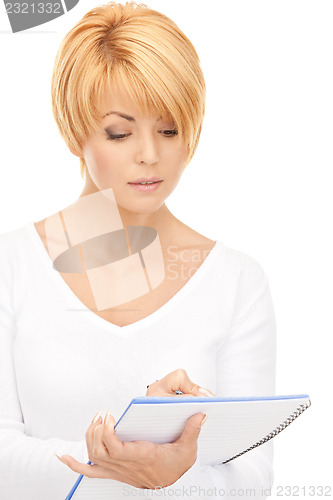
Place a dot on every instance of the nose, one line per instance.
(147, 150)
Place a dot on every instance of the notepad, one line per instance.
(234, 426)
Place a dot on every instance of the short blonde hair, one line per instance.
(137, 49)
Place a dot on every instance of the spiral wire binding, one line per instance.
(276, 431)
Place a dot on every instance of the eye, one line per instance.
(116, 137)
(170, 133)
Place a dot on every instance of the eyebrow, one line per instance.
(122, 115)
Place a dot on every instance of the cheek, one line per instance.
(178, 157)
(102, 161)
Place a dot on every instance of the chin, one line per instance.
(144, 208)
(137, 203)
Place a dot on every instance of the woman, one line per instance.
(113, 292)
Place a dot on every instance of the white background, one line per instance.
(260, 180)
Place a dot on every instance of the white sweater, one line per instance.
(60, 364)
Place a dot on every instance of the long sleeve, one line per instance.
(27, 464)
(246, 361)
(60, 364)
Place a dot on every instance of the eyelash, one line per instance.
(120, 137)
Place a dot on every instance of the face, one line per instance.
(128, 147)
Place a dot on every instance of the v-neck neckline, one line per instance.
(141, 323)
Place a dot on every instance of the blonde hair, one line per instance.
(140, 51)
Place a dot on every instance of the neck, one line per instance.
(161, 219)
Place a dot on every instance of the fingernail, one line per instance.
(107, 417)
(61, 460)
(97, 417)
(203, 420)
(206, 392)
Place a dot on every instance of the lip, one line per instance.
(146, 188)
(145, 179)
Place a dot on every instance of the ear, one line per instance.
(75, 152)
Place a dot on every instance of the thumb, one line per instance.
(192, 429)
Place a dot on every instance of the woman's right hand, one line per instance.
(143, 464)
(178, 380)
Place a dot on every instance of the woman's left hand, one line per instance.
(142, 464)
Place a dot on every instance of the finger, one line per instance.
(157, 389)
(106, 440)
(192, 430)
(98, 450)
(185, 395)
(90, 431)
(202, 391)
(179, 380)
(84, 469)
